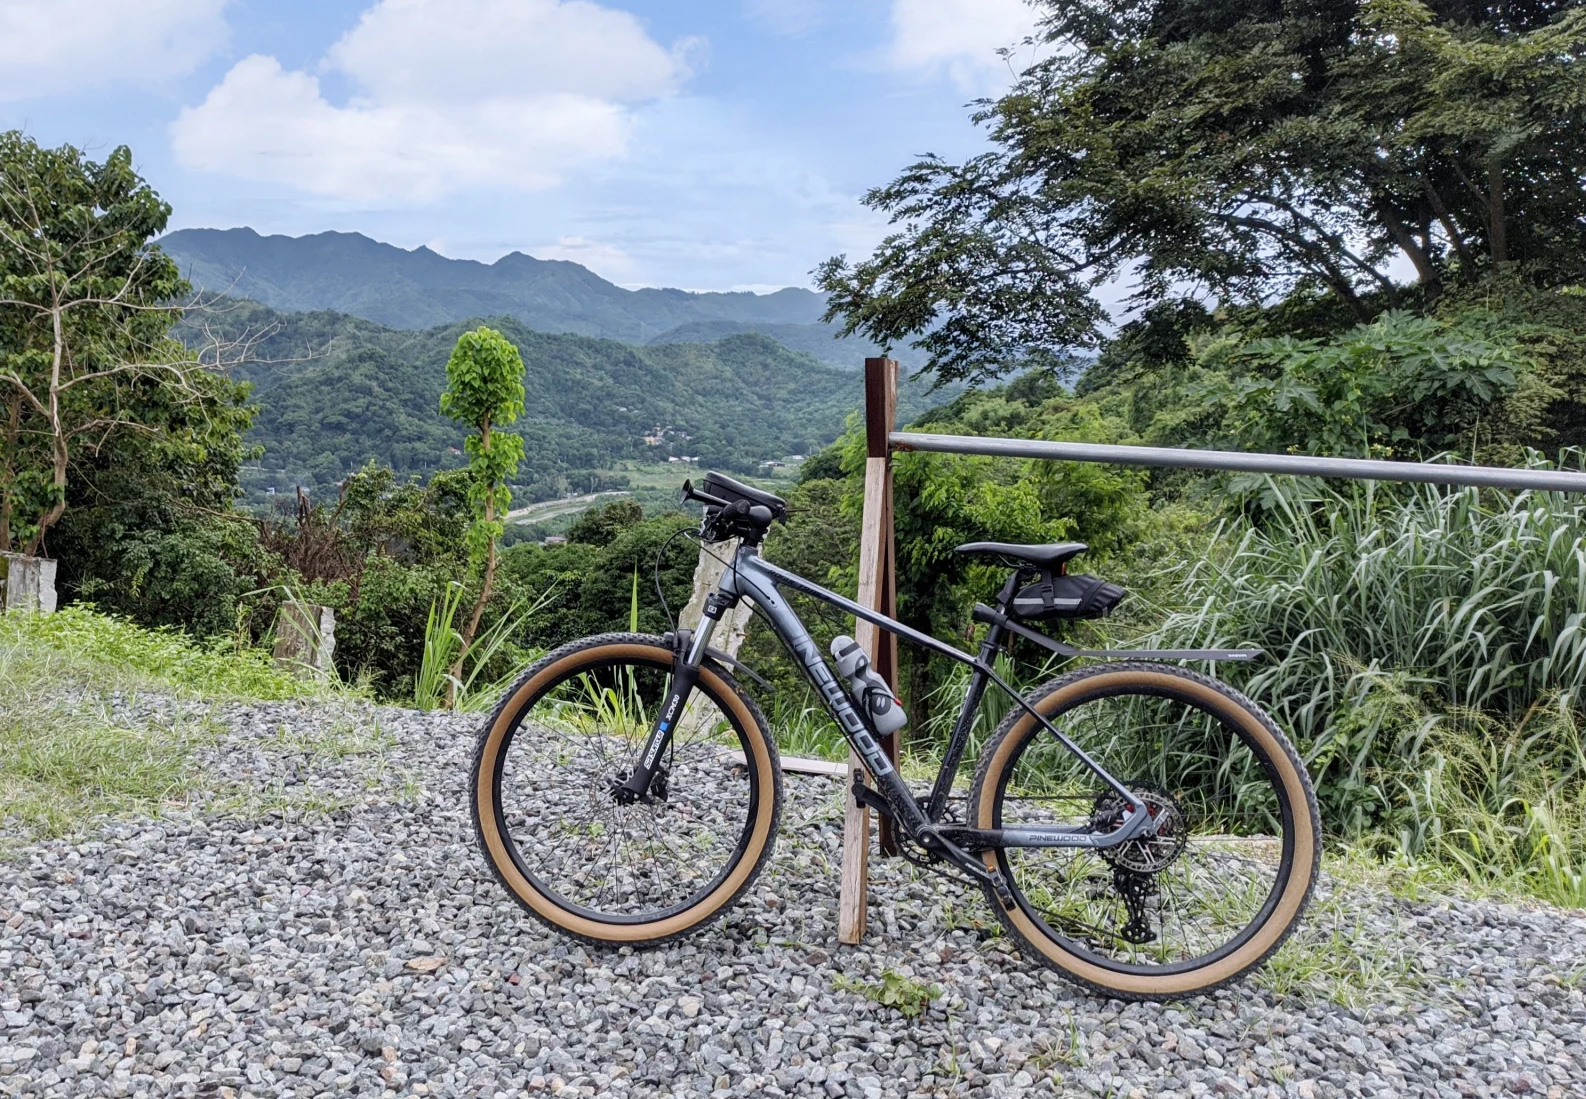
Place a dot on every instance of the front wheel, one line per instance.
(556, 827)
(1237, 844)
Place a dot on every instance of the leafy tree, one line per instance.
(1400, 384)
(86, 308)
(1248, 149)
(591, 585)
(484, 391)
(601, 526)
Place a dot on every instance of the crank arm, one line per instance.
(932, 839)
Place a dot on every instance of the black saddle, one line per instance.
(1054, 593)
(1053, 556)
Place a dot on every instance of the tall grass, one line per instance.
(1379, 611)
(492, 662)
(1426, 650)
(1504, 803)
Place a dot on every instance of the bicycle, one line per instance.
(626, 790)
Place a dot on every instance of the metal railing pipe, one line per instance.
(1362, 469)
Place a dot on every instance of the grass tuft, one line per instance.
(107, 652)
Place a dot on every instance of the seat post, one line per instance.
(1005, 596)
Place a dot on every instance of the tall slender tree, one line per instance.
(484, 391)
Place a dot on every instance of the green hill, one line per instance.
(336, 391)
(819, 340)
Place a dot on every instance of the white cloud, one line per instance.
(54, 47)
(959, 38)
(607, 260)
(450, 94)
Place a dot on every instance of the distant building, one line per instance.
(554, 540)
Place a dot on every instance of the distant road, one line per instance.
(553, 509)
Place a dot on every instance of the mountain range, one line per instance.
(399, 289)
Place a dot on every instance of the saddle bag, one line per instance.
(1063, 596)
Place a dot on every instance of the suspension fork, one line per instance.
(685, 676)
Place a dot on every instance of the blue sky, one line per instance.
(707, 144)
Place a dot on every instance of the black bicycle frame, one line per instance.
(752, 577)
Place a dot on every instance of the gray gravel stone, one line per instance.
(259, 941)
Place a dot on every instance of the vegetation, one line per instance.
(484, 391)
(64, 757)
(335, 392)
(87, 362)
(1353, 229)
(898, 991)
(1259, 150)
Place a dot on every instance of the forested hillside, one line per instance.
(335, 392)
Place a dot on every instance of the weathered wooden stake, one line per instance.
(714, 560)
(878, 590)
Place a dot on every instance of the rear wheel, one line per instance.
(565, 841)
(1237, 846)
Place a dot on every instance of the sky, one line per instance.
(703, 144)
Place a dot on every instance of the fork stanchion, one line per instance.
(878, 590)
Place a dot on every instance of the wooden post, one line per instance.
(714, 561)
(878, 590)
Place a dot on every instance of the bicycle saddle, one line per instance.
(1050, 556)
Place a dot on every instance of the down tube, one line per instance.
(747, 580)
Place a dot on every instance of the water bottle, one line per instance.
(870, 692)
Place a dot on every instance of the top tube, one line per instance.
(750, 561)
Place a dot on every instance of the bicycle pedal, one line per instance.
(871, 799)
(999, 885)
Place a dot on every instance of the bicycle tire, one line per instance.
(495, 743)
(1300, 844)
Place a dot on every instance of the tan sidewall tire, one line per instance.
(1302, 873)
(493, 739)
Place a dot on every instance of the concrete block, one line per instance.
(27, 583)
(305, 638)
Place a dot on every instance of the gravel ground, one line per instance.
(320, 923)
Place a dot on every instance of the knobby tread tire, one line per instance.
(1306, 815)
(755, 727)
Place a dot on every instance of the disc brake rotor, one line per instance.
(1148, 854)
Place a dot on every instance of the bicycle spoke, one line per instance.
(1175, 897)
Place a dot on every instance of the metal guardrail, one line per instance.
(1361, 469)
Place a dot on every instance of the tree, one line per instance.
(86, 310)
(484, 390)
(1244, 149)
